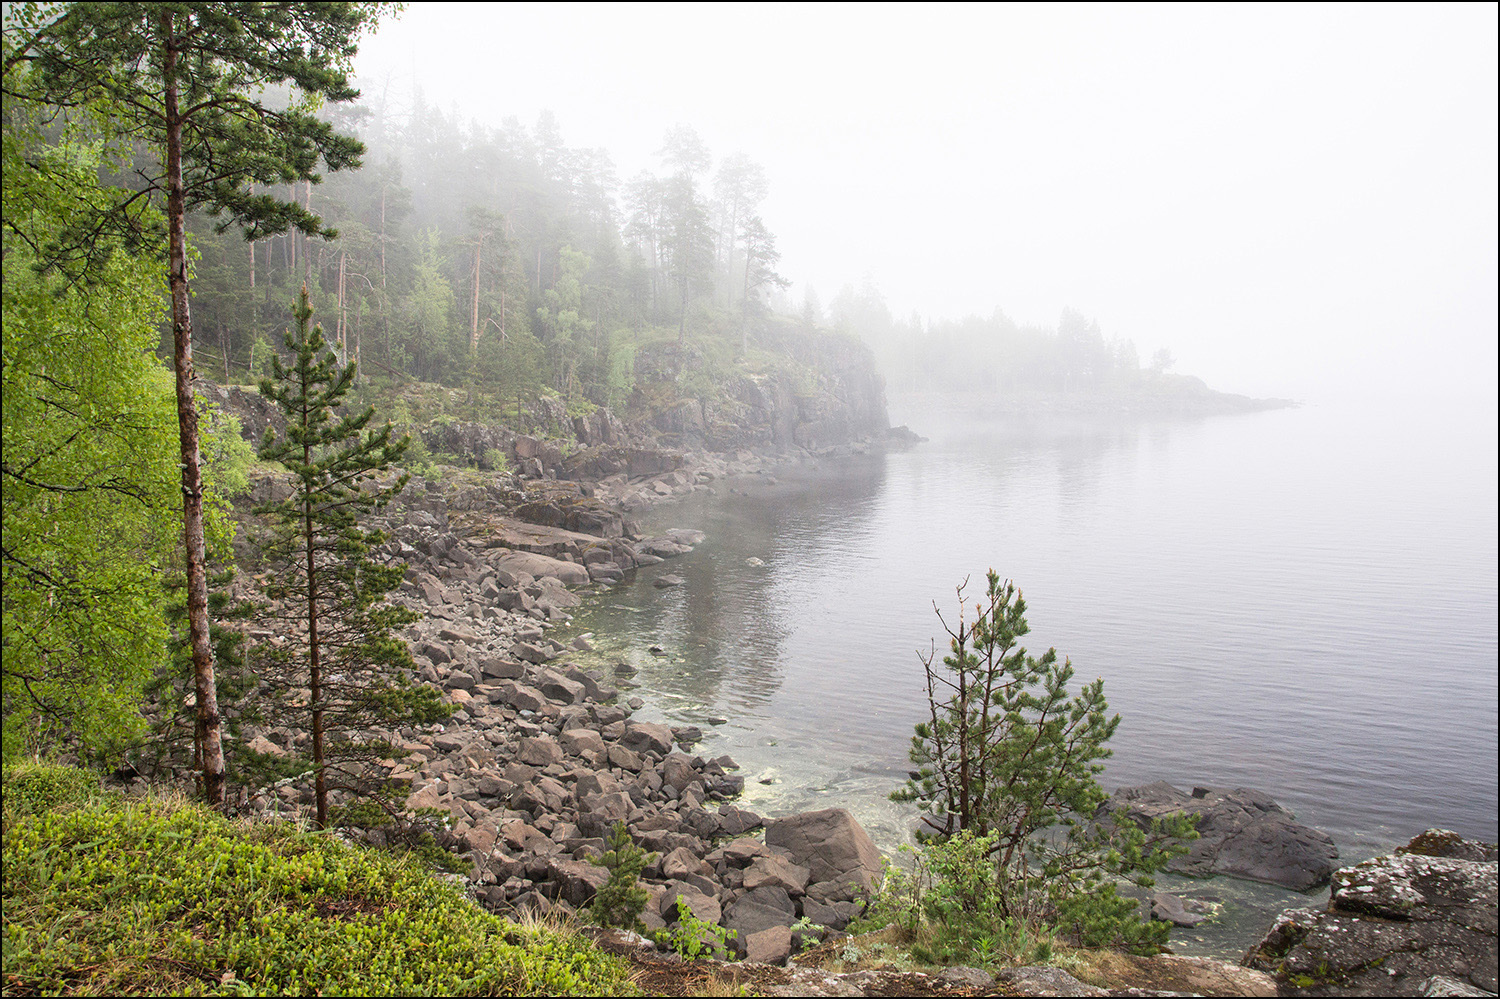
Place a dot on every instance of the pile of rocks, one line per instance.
(541, 759)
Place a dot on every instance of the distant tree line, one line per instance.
(993, 354)
(493, 258)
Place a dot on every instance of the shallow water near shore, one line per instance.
(1301, 601)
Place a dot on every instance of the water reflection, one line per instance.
(1254, 590)
(722, 635)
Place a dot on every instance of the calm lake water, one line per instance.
(1302, 601)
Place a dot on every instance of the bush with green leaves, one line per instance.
(495, 460)
(695, 938)
(1009, 762)
(621, 900)
(949, 908)
(163, 897)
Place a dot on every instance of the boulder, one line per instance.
(759, 910)
(643, 736)
(777, 871)
(582, 740)
(830, 844)
(702, 905)
(576, 881)
(539, 752)
(1241, 833)
(1392, 923)
(772, 945)
(569, 573)
(1177, 910)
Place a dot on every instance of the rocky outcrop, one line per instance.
(1393, 924)
(823, 391)
(1241, 832)
(255, 413)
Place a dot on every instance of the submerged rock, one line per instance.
(1241, 832)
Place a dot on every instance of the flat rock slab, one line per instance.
(1241, 832)
(517, 534)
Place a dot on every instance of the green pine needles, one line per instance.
(621, 900)
(345, 669)
(1010, 760)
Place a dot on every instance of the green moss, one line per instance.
(166, 898)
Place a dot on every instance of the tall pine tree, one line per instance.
(188, 80)
(355, 671)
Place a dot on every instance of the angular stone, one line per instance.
(559, 688)
(457, 633)
(760, 910)
(776, 871)
(625, 759)
(502, 669)
(703, 906)
(539, 752)
(830, 844)
(644, 736)
(579, 740)
(681, 862)
(741, 852)
(592, 782)
(677, 770)
(772, 945)
(577, 881)
(532, 653)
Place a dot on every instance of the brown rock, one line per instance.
(830, 844)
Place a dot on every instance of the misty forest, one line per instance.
(438, 560)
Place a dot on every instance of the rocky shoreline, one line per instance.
(542, 758)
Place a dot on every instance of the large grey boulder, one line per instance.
(830, 844)
(569, 573)
(1241, 832)
(1392, 923)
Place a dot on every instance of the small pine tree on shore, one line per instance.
(621, 900)
(1008, 758)
(350, 673)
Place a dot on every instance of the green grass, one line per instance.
(161, 897)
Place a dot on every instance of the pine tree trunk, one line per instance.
(315, 666)
(474, 317)
(208, 720)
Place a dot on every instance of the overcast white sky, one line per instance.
(1294, 199)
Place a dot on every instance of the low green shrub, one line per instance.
(162, 898)
(693, 937)
(495, 460)
(33, 788)
(949, 907)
